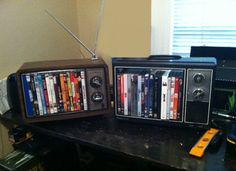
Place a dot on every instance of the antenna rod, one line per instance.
(72, 34)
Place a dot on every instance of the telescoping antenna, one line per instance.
(94, 56)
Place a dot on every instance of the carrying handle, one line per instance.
(164, 57)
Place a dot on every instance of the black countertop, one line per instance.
(161, 145)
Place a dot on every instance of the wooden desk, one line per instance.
(166, 147)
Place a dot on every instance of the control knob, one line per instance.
(198, 94)
(96, 82)
(198, 77)
(97, 97)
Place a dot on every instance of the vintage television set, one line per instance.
(63, 89)
(164, 89)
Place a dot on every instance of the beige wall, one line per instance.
(28, 34)
(125, 28)
(87, 18)
(5, 145)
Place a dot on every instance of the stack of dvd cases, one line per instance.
(152, 93)
(52, 92)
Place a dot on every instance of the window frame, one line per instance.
(161, 27)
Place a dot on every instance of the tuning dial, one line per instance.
(97, 97)
(198, 94)
(198, 77)
(96, 82)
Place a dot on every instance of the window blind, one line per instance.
(202, 22)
